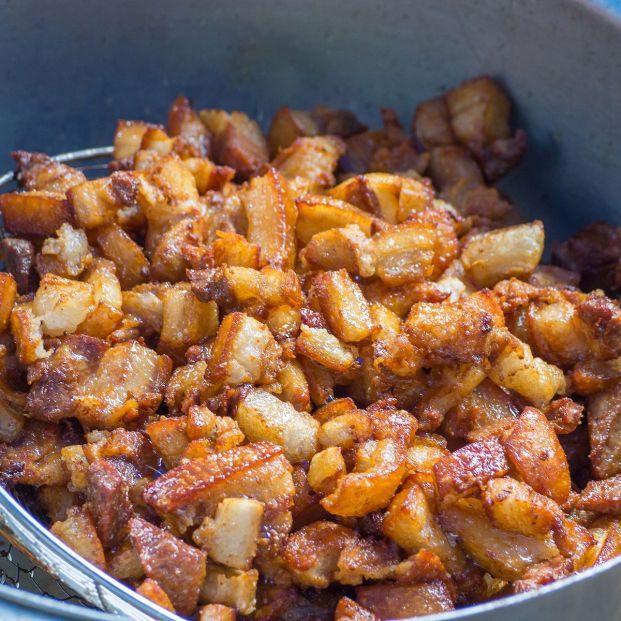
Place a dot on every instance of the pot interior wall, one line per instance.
(70, 69)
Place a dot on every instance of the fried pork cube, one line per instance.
(515, 368)
(504, 555)
(390, 197)
(216, 612)
(323, 213)
(169, 438)
(602, 496)
(19, 261)
(55, 387)
(287, 126)
(604, 423)
(271, 214)
(187, 386)
(193, 139)
(326, 468)
(340, 248)
(380, 466)
(37, 171)
(454, 332)
(66, 255)
(485, 405)
(117, 246)
(342, 303)
(27, 334)
(95, 203)
(230, 587)
(262, 416)
(244, 352)
(186, 320)
(145, 303)
(107, 297)
(410, 522)
(237, 141)
(535, 452)
(322, 347)
(594, 253)
(78, 532)
(312, 553)
(178, 568)
(34, 213)
(479, 115)
(514, 251)
(407, 252)
(309, 163)
(34, 457)
(62, 304)
(127, 140)
(230, 537)
(128, 385)
(431, 124)
(153, 591)
(390, 150)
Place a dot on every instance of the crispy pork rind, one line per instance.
(244, 352)
(178, 568)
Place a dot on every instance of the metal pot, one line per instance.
(71, 68)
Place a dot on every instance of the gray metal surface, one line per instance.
(70, 68)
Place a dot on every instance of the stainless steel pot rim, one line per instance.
(114, 596)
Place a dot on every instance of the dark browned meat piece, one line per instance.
(108, 495)
(58, 379)
(604, 418)
(594, 252)
(176, 566)
(19, 256)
